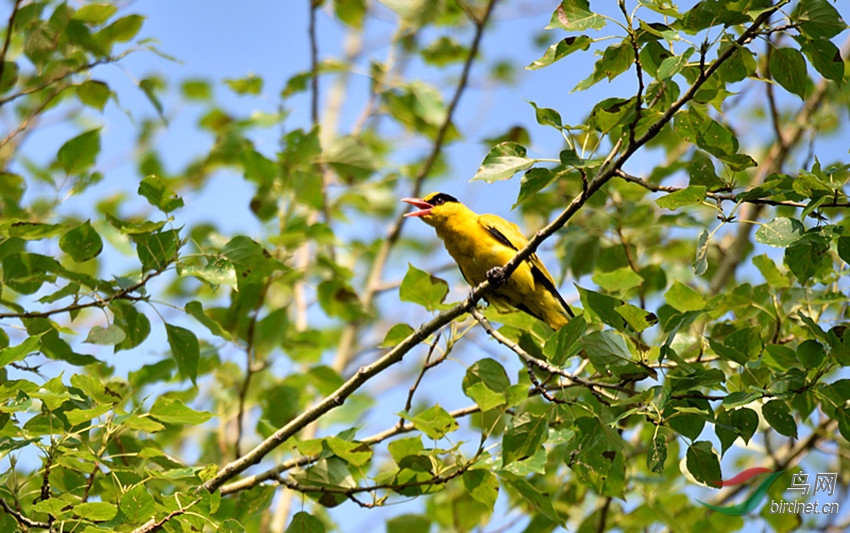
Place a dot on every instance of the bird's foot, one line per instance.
(496, 276)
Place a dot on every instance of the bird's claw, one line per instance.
(496, 276)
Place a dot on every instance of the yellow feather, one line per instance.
(479, 243)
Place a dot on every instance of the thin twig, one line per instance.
(427, 365)
(546, 366)
(9, 27)
(20, 518)
(121, 294)
(156, 525)
(298, 462)
(726, 197)
(249, 367)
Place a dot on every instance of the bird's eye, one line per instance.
(438, 201)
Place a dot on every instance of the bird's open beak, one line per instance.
(425, 207)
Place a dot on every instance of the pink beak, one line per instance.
(425, 207)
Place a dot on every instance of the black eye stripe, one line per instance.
(441, 198)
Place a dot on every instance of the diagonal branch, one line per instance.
(20, 518)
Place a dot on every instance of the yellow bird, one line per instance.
(479, 243)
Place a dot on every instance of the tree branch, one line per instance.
(121, 294)
(20, 518)
(726, 197)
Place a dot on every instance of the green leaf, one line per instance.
(354, 453)
(638, 319)
(770, 271)
(780, 232)
(483, 486)
(33, 231)
(217, 271)
(135, 325)
(422, 288)
(599, 461)
(524, 437)
(78, 416)
(825, 57)
(444, 51)
(157, 250)
(196, 89)
(696, 127)
(305, 523)
(736, 423)
(503, 161)
(137, 504)
(122, 30)
(805, 257)
(843, 246)
(251, 84)
(618, 280)
(339, 299)
(701, 256)
(79, 153)
(419, 107)
(615, 60)
(409, 523)
(688, 196)
(546, 116)
(252, 262)
(108, 336)
(94, 13)
(541, 502)
(818, 19)
(10, 75)
(656, 455)
(485, 383)
(778, 415)
(575, 15)
(396, 334)
(811, 353)
(149, 87)
(532, 182)
(13, 354)
(683, 298)
(171, 411)
(435, 422)
(352, 159)
(608, 352)
(26, 273)
(560, 50)
(725, 351)
(703, 463)
(603, 306)
(788, 68)
(94, 94)
(159, 195)
(142, 423)
(96, 511)
(185, 349)
(566, 342)
(672, 65)
(81, 243)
